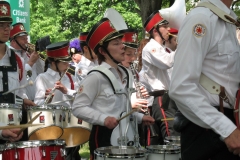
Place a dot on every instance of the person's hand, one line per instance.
(33, 58)
(12, 134)
(28, 103)
(144, 92)
(140, 104)
(47, 92)
(61, 87)
(110, 122)
(147, 120)
(233, 142)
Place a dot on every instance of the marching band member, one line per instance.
(32, 62)
(96, 102)
(204, 82)
(88, 61)
(156, 62)
(12, 70)
(171, 45)
(58, 60)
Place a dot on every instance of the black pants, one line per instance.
(163, 128)
(100, 137)
(204, 144)
(73, 153)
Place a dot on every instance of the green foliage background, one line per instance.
(65, 19)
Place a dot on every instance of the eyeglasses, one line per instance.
(3, 26)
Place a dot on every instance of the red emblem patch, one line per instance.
(199, 30)
(10, 118)
(41, 119)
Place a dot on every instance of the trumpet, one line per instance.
(30, 48)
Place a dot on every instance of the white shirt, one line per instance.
(83, 67)
(13, 77)
(47, 80)
(156, 62)
(96, 100)
(36, 69)
(216, 54)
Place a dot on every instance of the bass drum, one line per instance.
(119, 153)
(76, 131)
(35, 150)
(51, 117)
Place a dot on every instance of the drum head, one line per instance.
(120, 152)
(46, 133)
(75, 136)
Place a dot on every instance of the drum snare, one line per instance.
(119, 152)
(10, 113)
(76, 131)
(52, 117)
(163, 152)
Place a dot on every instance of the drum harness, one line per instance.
(122, 140)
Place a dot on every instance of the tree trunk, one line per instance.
(147, 7)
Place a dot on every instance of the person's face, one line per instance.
(164, 30)
(116, 49)
(129, 56)
(5, 28)
(76, 58)
(22, 40)
(173, 44)
(63, 66)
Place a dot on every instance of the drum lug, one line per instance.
(63, 152)
(69, 116)
(63, 116)
(53, 116)
(43, 152)
(30, 115)
(20, 115)
(16, 154)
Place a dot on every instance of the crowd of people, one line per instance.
(190, 75)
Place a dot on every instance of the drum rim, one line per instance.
(36, 143)
(114, 155)
(9, 105)
(174, 150)
(173, 138)
(47, 107)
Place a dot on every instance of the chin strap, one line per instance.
(90, 51)
(115, 61)
(20, 45)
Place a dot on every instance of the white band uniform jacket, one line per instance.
(156, 62)
(215, 53)
(47, 80)
(36, 69)
(13, 79)
(83, 67)
(96, 100)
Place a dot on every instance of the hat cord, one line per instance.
(90, 51)
(160, 34)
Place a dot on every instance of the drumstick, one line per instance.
(167, 119)
(134, 110)
(30, 83)
(19, 126)
(30, 122)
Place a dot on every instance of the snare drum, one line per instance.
(35, 150)
(119, 152)
(10, 113)
(76, 131)
(163, 152)
(51, 117)
(173, 140)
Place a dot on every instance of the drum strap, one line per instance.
(71, 80)
(111, 77)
